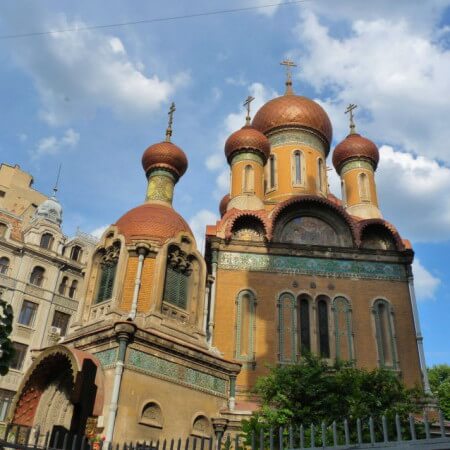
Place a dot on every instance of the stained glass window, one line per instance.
(305, 332)
(324, 339)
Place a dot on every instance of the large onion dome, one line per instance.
(165, 155)
(151, 221)
(355, 146)
(247, 138)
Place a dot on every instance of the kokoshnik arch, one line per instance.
(172, 342)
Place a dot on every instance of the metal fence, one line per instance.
(371, 433)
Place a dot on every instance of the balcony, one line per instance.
(100, 310)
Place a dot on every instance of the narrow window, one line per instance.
(37, 276)
(61, 321)
(324, 339)
(107, 276)
(3, 229)
(27, 313)
(245, 326)
(286, 327)
(6, 398)
(343, 328)
(385, 334)
(272, 171)
(298, 156)
(75, 253)
(344, 193)
(73, 288)
(46, 241)
(305, 327)
(178, 275)
(63, 286)
(249, 179)
(20, 352)
(320, 175)
(364, 190)
(4, 264)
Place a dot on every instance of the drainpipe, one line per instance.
(419, 337)
(142, 251)
(232, 399)
(213, 297)
(124, 332)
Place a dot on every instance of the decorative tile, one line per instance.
(108, 357)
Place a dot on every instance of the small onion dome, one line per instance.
(355, 146)
(151, 221)
(223, 204)
(293, 111)
(247, 138)
(165, 155)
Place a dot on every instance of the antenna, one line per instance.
(55, 189)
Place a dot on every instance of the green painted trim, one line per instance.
(286, 137)
(391, 338)
(254, 262)
(250, 358)
(287, 300)
(342, 305)
(163, 173)
(356, 164)
(246, 156)
(108, 357)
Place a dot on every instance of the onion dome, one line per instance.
(152, 221)
(50, 210)
(223, 205)
(247, 138)
(355, 146)
(293, 111)
(165, 155)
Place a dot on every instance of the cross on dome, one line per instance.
(288, 64)
(172, 109)
(349, 111)
(247, 103)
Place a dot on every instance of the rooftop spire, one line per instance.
(172, 109)
(349, 111)
(55, 189)
(247, 102)
(288, 64)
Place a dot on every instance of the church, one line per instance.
(170, 343)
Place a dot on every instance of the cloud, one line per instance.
(78, 73)
(424, 282)
(198, 224)
(52, 145)
(98, 232)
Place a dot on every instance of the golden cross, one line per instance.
(247, 102)
(349, 111)
(288, 64)
(172, 109)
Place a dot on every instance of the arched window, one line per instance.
(343, 328)
(385, 334)
(287, 328)
(344, 193)
(323, 327)
(63, 286)
(271, 171)
(3, 229)
(76, 252)
(37, 276)
(298, 167)
(364, 189)
(107, 276)
(245, 326)
(46, 241)
(178, 273)
(305, 324)
(4, 264)
(320, 174)
(249, 179)
(73, 288)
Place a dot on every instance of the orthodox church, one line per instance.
(169, 343)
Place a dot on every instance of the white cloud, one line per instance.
(424, 282)
(98, 232)
(198, 224)
(52, 145)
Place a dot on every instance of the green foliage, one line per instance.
(313, 392)
(439, 377)
(6, 349)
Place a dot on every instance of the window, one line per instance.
(305, 327)
(245, 326)
(344, 193)
(63, 286)
(20, 352)
(6, 398)
(272, 171)
(249, 179)
(73, 288)
(286, 327)
(27, 313)
(322, 319)
(37, 276)
(320, 175)
(2, 194)
(4, 264)
(46, 241)
(76, 252)
(298, 166)
(3, 229)
(343, 328)
(178, 272)
(385, 334)
(61, 321)
(108, 274)
(364, 189)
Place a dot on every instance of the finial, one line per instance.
(288, 64)
(55, 189)
(247, 102)
(172, 109)
(349, 111)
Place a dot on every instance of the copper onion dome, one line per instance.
(247, 138)
(223, 204)
(355, 146)
(165, 155)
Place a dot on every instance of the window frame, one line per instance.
(251, 338)
(301, 169)
(34, 310)
(61, 314)
(4, 268)
(20, 354)
(40, 278)
(46, 244)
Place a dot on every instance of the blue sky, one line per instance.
(94, 100)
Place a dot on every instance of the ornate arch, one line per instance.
(367, 224)
(234, 219)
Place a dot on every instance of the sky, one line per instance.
(93, 100)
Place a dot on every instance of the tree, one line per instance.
(439, 377)
(6, 348)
